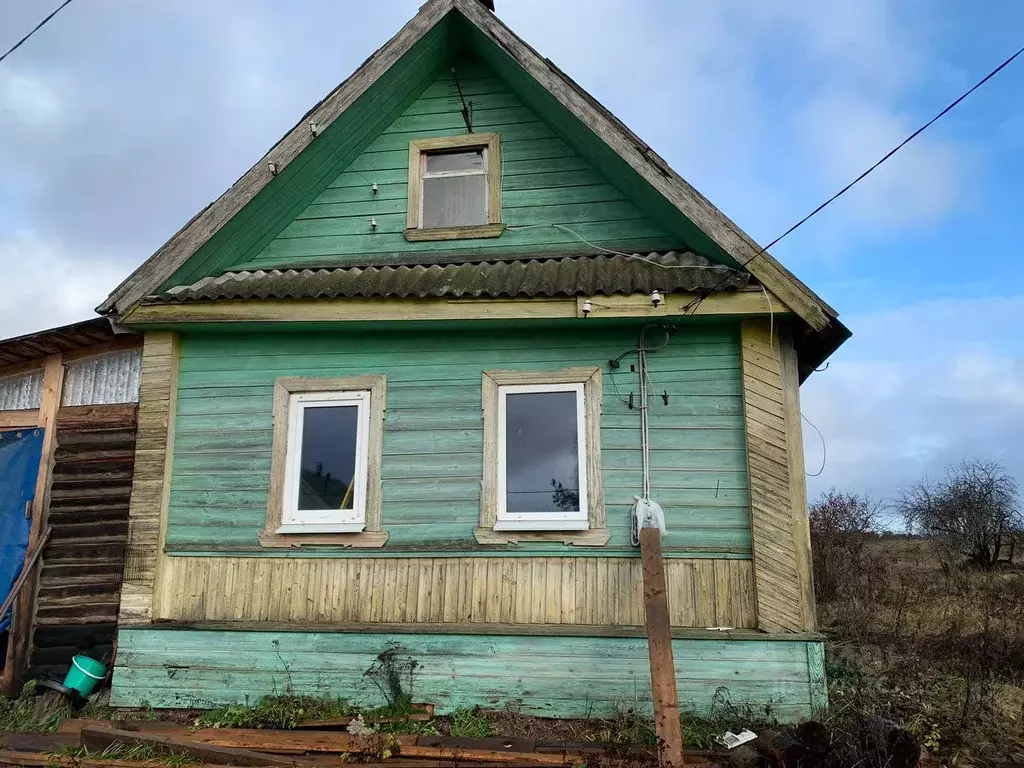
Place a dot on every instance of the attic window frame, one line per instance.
(490, 144)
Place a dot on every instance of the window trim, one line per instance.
(491, 146)
(277, 532)
(596, 533)
(542, 521)
(353, 520)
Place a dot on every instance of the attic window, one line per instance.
(454, 187)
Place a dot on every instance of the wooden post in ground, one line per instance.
(19, 641)
(659, 644)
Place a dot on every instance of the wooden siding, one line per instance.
(778, 506)
(544, 182)
(552, 676)
(154, 446)
(258, 206)
(588, 591)
(80, 582)
(433, 435)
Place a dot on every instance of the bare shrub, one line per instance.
(970, 511)
(842, 525)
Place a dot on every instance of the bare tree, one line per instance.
(971, 509)
(841, 524)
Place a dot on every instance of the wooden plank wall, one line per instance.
(544, 181)
(433, 432)
(80, 582)
(778, 509)
(154, 446)
(538, 675)
(479, 590)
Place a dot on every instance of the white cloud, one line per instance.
(920, 387)
(29, 99)
(52, 287)
(844, 135)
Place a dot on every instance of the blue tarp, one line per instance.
(20, 451)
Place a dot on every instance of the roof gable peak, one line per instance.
(501, 47)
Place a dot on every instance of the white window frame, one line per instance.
(353, 520)
(425, 174)
(542, 521)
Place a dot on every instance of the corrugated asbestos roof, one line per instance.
(568, 276)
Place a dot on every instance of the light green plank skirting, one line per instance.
(551, 676)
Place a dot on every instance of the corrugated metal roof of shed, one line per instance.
(568, 276)
(67, 338)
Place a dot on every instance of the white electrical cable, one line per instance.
(631, 256)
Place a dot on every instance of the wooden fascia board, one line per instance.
(197, 232)
(655, 171)
(735, 303)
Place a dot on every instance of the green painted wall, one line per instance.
(553, 676)
(433, 434)
(544, 182)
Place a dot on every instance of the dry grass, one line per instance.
(937, 648)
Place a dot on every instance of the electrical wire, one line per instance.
(631, 256)
(696, 301)
(35, 29)
(889, 154)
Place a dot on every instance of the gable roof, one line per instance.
(502, 47)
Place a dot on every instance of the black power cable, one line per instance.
(35, 29)
(695, 302)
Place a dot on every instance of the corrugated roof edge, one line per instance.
(568, 276)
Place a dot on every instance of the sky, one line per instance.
(122, 118)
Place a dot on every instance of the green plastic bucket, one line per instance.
(84, 674)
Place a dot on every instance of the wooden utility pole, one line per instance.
(659, 645)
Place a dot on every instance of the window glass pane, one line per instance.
(541, 456)
(473, 160)
(455, 201)
(328, 462)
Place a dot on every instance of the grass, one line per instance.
(140, 753)
(42, 714)
(937, 649)
(282, 712)
(471, 724)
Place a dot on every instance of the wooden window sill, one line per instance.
(455, 233)
(363, 540)
(595, 537)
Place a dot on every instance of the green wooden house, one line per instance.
(405, 380)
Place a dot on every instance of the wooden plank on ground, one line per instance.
(43, 760)
(495, 744)
(292, 742)
(484, 755)
(37, 742)
(659, 643)
(98, 739)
